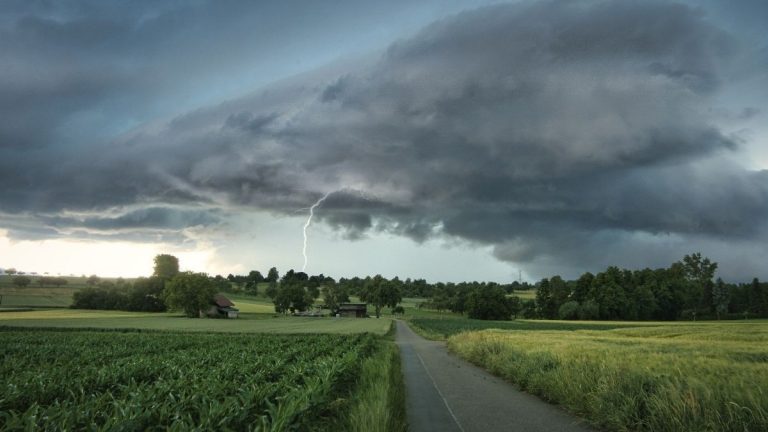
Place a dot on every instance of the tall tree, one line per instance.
(273, 275)
(545, 301)
(700, 271)
(166, 267)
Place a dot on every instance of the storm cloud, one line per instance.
(568, 135)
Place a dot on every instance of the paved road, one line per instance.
(445, 393)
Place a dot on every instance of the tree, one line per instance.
(190, 292)
(11, 271)
(758, 298)
(380, 292)
(334, 295)
(93, 280)
(21, 281)
(515, 305)
(146, 295)
(166, 267)
(291, 296)
(699, 273)
(488, 303)
(271, 290)
(252, 282)
(545, 301)
(721, 296)
(273, 275)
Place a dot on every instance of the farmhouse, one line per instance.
(222, 308)
(353, 310)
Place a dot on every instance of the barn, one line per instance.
(222, 307)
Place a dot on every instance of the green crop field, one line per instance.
(35, 297)
(83, 380)
(248, 323)
(655, 377)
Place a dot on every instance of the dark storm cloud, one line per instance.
(553, 130)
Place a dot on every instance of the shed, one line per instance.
(353, 310)
(222, 307)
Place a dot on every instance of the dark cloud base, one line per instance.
(557, 131)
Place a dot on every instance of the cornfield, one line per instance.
(75, 380)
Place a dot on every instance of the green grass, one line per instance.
(656, 377)
(525, 295)
(379, 401)
(81, 380)
(248, 323)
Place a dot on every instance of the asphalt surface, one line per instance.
(445, 393)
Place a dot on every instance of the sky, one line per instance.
(454, 140)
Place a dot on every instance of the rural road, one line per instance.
(445, 393)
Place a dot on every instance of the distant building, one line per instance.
(353, 310)
(222, 307)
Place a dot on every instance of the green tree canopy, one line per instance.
(190, 292)
(488, 303)
(21, 281)
(273, 275)
(334, 294)
(166, 267)
(380, 292)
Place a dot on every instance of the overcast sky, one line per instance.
(455, 140)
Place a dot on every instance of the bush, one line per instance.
(569, 310)
(589, 310)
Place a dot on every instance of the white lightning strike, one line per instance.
(306, 225)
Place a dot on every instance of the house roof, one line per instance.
(222, 301)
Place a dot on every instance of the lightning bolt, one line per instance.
(306, 225)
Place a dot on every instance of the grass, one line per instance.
(656, 377)
(248, 323)
(379, 400)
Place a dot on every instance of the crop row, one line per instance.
(139, 381)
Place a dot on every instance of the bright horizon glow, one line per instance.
(105, 259)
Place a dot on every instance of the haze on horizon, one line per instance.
(457, 140)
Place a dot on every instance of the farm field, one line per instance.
(441, 329)
(74, 380)
(248, 323)
(653, 377)
(36, 297)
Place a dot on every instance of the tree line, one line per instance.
(685, 290)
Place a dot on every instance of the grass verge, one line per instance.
(379, 399)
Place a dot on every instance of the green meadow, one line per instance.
(654, 377)
(247, 323)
